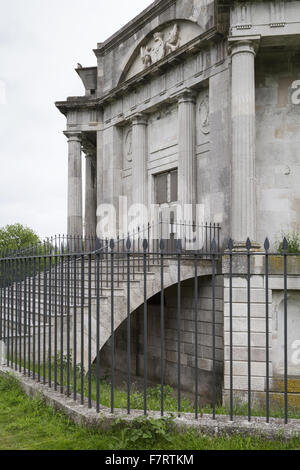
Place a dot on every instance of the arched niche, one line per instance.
(160, 43)
(293, 328)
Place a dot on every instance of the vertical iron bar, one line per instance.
(62, 321)
(55, 317)
(29, 314)
(213, 247)
(98, 333)
(179, 325)
(249, 325)
(34, 315)
(145, 325)
(25, 313)
(8, 305)
(39, 313)
(118, 262)
(75, 324)
(267, 332)
(45, 314)
(89, 330)
(12, 311)
(196, 333)
(162, 327)
(16, 309)
(112, 329)
(5, 306)
(1, 298)
(50, 318)
(285, 247)
(82, 328)
(128, 246)
(231, 329)
(68, 294)
(21, 266)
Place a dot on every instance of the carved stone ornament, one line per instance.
(204, 115)
(163, 45)
(128, 145)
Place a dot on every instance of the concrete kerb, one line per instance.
(80, 414)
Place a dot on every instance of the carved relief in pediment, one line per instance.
(163, 45)
(160, 44)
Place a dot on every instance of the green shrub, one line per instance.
(16, 237)
(142, 431)
(293, 239)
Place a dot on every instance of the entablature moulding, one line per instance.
(219, 11)
(208, 54)
(265, 18)
(274, 44)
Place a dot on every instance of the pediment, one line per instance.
(159, 44)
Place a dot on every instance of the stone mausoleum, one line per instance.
(206, 92)
(197, 102)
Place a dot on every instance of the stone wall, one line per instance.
(258, 338)
(278, 140)
(205, 354)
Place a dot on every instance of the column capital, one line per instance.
(73, 136)
(89, 149)
(243, 44)
(187, 96)
(139, 119)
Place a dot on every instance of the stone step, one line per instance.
(137, 276)
(94, 287)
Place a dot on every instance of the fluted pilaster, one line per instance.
(140, 157)
(187, 148)
(74, 184)
(243, 141)
(90, 195)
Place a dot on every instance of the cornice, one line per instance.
(158, 68)
(134, 25)
(161, 66)
(76, 103)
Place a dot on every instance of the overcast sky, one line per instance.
(41, 42)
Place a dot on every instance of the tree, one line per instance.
(15, 237)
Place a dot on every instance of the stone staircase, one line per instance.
(71, 296)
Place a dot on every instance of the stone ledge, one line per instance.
(81, 415)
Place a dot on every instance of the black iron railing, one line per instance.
(63, 307)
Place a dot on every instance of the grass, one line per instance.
(153, 395)
(28, 424)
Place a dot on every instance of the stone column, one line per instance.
(111, 170)
(74, 184)
(139, 160)
(243, 141)
(90, 195)
(187, 149)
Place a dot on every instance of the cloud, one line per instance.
(41, 42)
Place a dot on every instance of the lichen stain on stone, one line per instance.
(295, 206)
(283, 91)
(293, 385)
(293, 400)
(279, 132)
(276, 264)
